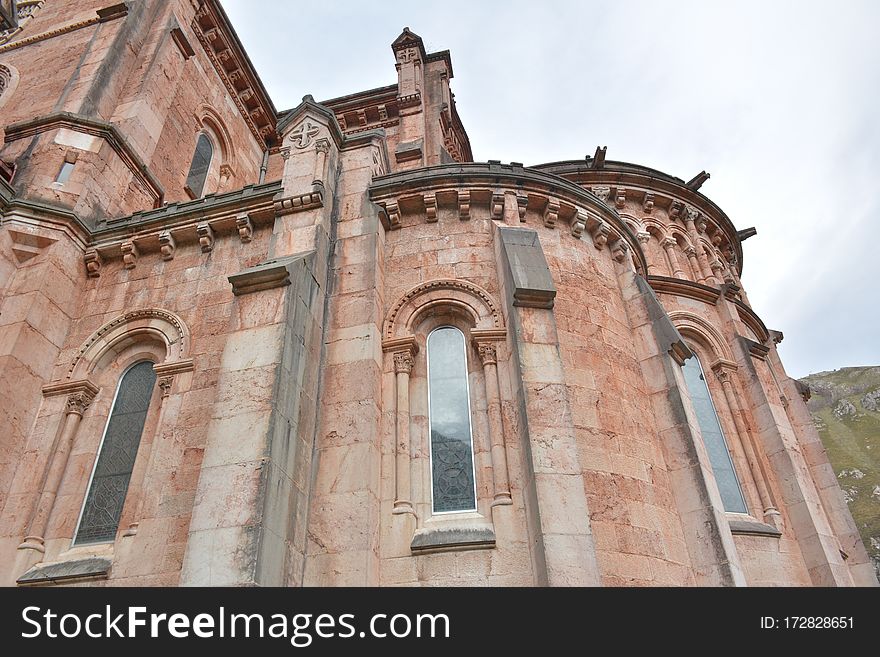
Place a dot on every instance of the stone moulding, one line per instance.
(101, 129)
(684, 288)
(102, 16)
(66, 571)
(225, 52)
(486, 180)
(689, 323)
(479, 303)
(750, 318)
(668, 192)
(267, 275)
(172, 330)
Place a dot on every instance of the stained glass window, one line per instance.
(198, 170)
(106, 496)
(713, 437)
(452, 454)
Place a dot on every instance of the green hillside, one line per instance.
(845, 405)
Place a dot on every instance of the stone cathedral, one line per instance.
(322, 346)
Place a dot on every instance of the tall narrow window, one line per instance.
(106, 495)
(449, 411)
(713, 437)
(198, 170)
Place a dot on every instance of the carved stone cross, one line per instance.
(302, 136)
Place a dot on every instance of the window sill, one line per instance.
(459, 532)
(748, 526)
(65, 572)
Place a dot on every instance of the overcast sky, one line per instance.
(779, 101)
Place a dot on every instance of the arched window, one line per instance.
(122, 436)
(201, 163)
(713, 437)
(449, 417)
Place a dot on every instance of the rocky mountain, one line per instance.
(845, 405)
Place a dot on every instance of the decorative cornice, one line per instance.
(490, 177)
(619, 175)
(220, 43)
(684, 288)
(102, 16)
(101, 129)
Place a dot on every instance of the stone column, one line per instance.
(143, 464)
(643, 238)
(500, 477)
(403, 364)
(717, 272)
(77, 403)
(691, 254)
(669, 245)
(771, 515)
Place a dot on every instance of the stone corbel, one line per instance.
(129, 254)
(619, 247)
(206, 237)
(464, 205)
(579, 223)
(167, 245)
(599, 230)
(620, 198)
(551, 212)
(245, 227)
(93, 262)
(430, 201)
(498, 205)
(389, 215)
(675, 210)
(648, 204)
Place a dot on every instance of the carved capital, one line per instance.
(403, 362)
(167, 245)
(603, 192)
(690, 252)
(691, 215)
(322, 146)
(245, 227)
(488, 353)
(724, 370)
(79, 401)
(165, 383)
(668, 243)
(643, 236)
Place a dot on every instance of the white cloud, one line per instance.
(778, 100)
